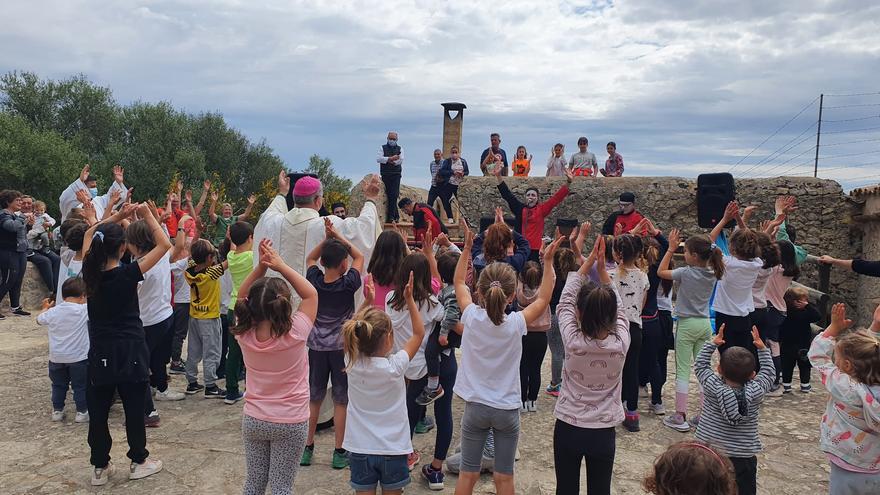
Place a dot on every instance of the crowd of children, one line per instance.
(133, 291)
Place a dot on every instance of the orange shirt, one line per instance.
(521, 167)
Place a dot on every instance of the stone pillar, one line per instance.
(452, 126)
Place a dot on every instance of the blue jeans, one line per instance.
(369, 470)
(74, 374)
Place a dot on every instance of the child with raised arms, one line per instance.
(377, 435)
(487, 382)
(272, 339)
(850, 368)
(704, 265)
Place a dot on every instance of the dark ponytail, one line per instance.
(703, 248)
(106, 241)
(788, 259)
(267, 299)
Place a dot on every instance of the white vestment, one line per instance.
(295, 233)
(67, 201)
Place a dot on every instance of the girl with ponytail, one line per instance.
(488, 380)
(696, 280)
(118, 356)
(376, 425)
(275, 422)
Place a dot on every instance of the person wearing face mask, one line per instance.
(390, 168)
(449, 177)
(531, 214)
(89, 185)
(623, 221)
(493, 149)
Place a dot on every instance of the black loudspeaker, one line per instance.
(714, 191)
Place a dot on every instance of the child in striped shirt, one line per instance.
(733, 398)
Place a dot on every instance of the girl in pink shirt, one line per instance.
(595, 333)
(274, 425)
(389, 252)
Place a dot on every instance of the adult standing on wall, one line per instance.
(453, 170)
(488, 156)
(436, 182)
(531, 214)
(623, 221)
(13, 250)
(391, 167)
(614, 163)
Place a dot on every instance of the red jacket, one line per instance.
(531, 220)
(427, 214)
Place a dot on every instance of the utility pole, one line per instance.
(818, 134)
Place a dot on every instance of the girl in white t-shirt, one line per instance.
(377, 435)
(487, 381)
(154, 299)
(632, 283)
(733, 296)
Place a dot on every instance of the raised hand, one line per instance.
(369, 291)
(118, 174)
(499, 215)
(408, 290)
(719, 337)
(839, 321)
(468, 236)
(269, 257)
(84, 174)
(215, 196)
(618, 229)
(329, 230)
(283, 183)
(114, 197)
(189, 196)
(428, 242)
(756, 339)
(731, 211)
(371, 187)
(142, 209)
(550, 250)
(90, 213)
(674, 239)
(569, 174)
(442, 240)
(599, 250)
(206, 186)
(155, 211)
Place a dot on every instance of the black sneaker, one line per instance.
(194, 387)
(428, 396)
(214, 392)
(20, 312)
(176, 368)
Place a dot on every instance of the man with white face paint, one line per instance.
(624, 220)
(531, 214)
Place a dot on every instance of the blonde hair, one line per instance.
(862, 349)
(39, 205)
(364, 334)
(497, 284)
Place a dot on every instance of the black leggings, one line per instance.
(99, 399)
(652, 362)
(160, 349)
(571, 445)
(12, 267)
(737, 332)
(442, 406)
(48, 264)
(447, 191)
(630, 388)
(179, 329)
(534, 347)
(791, 355)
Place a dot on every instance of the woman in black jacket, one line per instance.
(13, 250)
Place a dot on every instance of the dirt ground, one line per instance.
(199, 441)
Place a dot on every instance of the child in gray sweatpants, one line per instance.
(205, 331)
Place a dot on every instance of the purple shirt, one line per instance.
(590, 394)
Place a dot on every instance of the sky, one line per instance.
(683, 87)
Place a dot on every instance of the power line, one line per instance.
(851, 142)
(789, 121)
(859, 165)
(853, 130)
(854, 106)
(853, 120)
(768, 158)
(849, 154)
(811, 148)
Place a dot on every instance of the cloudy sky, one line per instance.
(682, 87)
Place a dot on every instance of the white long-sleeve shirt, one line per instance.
(67, 201)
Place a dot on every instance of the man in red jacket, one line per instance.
(423, 215)
(531, 214)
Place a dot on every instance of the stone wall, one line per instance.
(822, 222)
(33, 290)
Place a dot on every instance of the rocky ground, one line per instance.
(199, 441)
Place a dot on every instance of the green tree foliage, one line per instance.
(336, 187)
(50, 129)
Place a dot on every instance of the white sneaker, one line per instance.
(524, 408)
(57, 416)
(776, 392)
(451, 221)
(147, 468)
(100, 476)
(658, 409)
(169, 394)
(81, 417)
(531, 406)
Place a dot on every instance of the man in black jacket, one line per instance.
(390, 168)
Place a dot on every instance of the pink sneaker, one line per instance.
(413, 459)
